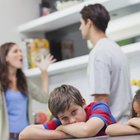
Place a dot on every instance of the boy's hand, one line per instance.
(59, 128)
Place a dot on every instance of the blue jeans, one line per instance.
(13, 139)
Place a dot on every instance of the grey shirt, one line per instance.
(108, 73)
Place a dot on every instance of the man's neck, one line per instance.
(96, 37)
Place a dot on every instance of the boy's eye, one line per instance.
(74, 112)
(64, 118)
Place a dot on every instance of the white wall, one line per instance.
(14, 13)
(77, 78)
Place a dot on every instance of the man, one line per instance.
(108, 72)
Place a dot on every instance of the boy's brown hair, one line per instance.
(62, 97)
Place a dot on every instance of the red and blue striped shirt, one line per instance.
(94, 109)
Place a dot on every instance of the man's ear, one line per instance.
(84, 103)
(89, 23)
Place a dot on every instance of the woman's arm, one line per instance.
(41, 94)
(37, 132)
(121, 129)
(134, 122)
(43, 65)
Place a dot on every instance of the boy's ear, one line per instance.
(84, 103)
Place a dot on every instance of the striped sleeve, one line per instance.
(52, 125)
(102, 111)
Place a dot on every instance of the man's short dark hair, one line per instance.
(98, 14)
(62, 97)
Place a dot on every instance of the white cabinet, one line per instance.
(120, 28)
(131, 50)
(73, 71)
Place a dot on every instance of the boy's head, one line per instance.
(67, 104)
(97, 15)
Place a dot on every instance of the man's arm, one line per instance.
(134, 122)
(121, 130)
(101, 98)
(37, 132)
(83, 129)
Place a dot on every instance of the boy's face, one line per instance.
(74, 114)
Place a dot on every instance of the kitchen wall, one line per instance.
(14, 13)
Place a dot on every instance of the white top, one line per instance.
(108, 74)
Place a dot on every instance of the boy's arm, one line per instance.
(121, 129)
(134, 122)
(100, 117)
(37, 132)
(83, 129)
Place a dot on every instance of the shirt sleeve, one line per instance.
(52, 125)
(101, 77)
(102, 111)
(36, 92)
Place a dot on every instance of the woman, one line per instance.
(16, 91)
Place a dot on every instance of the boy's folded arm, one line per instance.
(37, 132)
(83, 129)
(121, 129)
(134, 122)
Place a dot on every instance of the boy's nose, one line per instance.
(72, 120)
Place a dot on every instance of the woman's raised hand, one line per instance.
(44, 62)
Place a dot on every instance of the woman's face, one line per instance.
(14, 57)
(136, 106)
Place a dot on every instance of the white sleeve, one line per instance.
(100, 77)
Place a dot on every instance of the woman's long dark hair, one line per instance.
(4, 79)
(137, 99)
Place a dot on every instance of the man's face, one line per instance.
(74, 114)
(84, 28)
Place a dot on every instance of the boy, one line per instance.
(74, 118)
